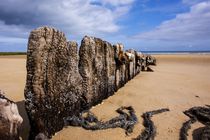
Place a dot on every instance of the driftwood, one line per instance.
(150, 130)
(201, 114)
(125, 120)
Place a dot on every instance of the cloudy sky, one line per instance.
(147, 25)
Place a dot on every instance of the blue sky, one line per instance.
(144, 25)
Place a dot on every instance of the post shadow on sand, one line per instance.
(25, 128)
(147, 69)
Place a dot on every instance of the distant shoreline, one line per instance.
(176, 52)
(145, 52)
(12, 53)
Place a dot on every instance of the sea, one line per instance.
(145, 52)
(176, 52)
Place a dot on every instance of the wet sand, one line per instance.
(178, 83)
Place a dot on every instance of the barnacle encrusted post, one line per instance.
(53, 86)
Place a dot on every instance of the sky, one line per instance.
(143, 25)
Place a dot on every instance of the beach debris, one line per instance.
(63, 81)
(201, 114)
(125, 120)
(10, 119)
(150, 60)
(150, 129)
(146, 61)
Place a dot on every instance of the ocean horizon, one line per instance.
(145, 52)
(176, 52)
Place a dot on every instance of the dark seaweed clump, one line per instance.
(150, 129)
(200, 114)
(87, 120)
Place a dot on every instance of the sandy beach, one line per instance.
(178, 82)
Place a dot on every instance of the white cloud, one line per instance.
(80, 17)
(76, 17)
(118, 7)
(193, 26)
